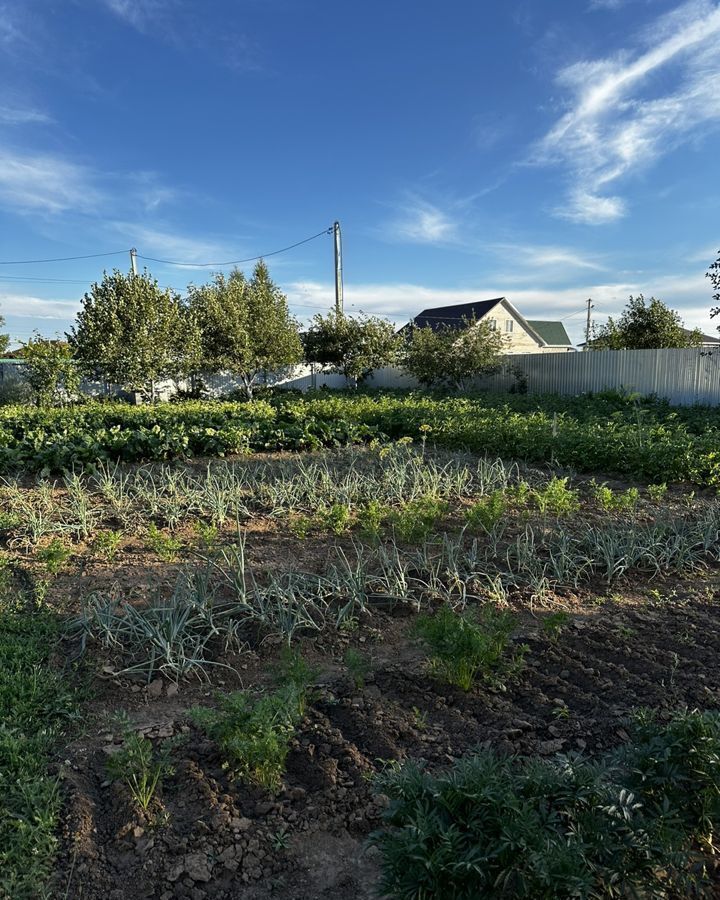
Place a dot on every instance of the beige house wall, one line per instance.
(519, 340)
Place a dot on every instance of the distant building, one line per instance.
(522, 335)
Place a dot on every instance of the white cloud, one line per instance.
(420, 222)
(622, 116)
(400, 302)
(46, 184)
(140, 14)
(166, 244)
(15, 116)
(23, 306)
(544, 258)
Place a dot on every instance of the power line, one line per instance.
(32, 262)
(235, 262)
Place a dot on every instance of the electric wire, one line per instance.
(234, 262)
(33, 262)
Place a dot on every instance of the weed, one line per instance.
(616, 501)
(54, 555)
(465, 646)
(554, 624)
(206, 534)
(107, 544)
(657, 492)
(370, 519)
(358, 667)
(418, 518)
(556, 498)
(334, 518)
(420, 719)
(164, 545)
(487, 512)
(142, 771)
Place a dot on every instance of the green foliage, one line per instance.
(354, 346)
(334, 518)
(358, 667)
(713, 273)
(207, 534)
(370, 519)
(137, 765)
(465, 646)
(166, 546)
(54, 555)
(132, 333)
(36, 708)
(254, 734)
(106, 543)
(657, 492)
(418, 518)
(50, 371)
(554, 624)
(4, 339)
(453, 356)
(644, 326)
(245, 326)
(556, 498)
(497, 827)
(487, 512)
(616, 501)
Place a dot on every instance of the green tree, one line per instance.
(50, 371)
(713, 273)
(4, 339)
(453, 356)
(245, 326)
(354, 346)
(133, 333)
(644, 325)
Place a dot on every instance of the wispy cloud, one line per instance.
(43, 183)
(622, 115)
(167, 244)
(140, 14)
(537, 259)
(13, 115)
(420, 222)
(29, 307)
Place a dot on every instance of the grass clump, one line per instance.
(495, 826)
(465, 646)
(36, 706)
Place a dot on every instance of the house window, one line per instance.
(493, 324)
(508, 325)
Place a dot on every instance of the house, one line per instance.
(522, 335)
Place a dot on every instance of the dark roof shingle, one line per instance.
(453, 316)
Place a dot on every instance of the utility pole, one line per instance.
(587, 326)
(337, 242)
(133, 261)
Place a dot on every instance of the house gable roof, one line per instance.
(453, 316)
(553, 333)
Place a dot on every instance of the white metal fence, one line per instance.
(681, 376)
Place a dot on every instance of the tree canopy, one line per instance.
(50, 371)
(644, 325)
(453, 355)
(133, 333)
(245, 326)
(713, 273)
(355, 346)
(4, 339)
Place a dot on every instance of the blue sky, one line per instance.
(546, 151)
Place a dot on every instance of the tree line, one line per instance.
(133, 333)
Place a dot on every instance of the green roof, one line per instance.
(553, 333)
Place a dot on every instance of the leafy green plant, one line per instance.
(358, 667)
(54, 555)
(418, 518)
(207, 534)
(554, 624)
(370, 519)
(616, 501)
(556, 498)
(254, 734)
(487, 512)
(140, 768)
(582, 830)
(107, 543)
(463, 647)
(164, 545)
(657, 492)
(335, 518)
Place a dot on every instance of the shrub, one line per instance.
(465, 646)
(500, 827)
